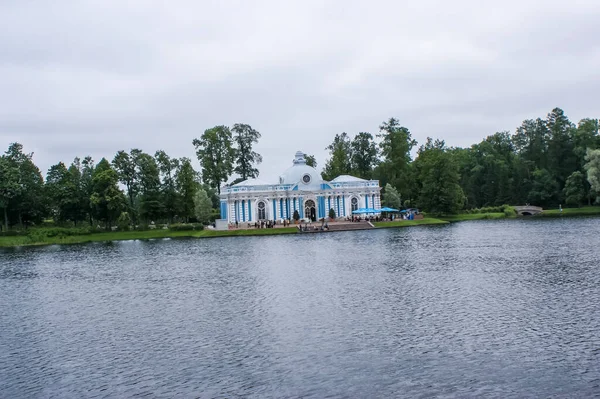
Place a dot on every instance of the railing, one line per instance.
(289, 187)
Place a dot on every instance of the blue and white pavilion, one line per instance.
(300, 188)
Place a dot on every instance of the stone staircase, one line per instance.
(345, 226)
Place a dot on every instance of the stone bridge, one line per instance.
(528, 210)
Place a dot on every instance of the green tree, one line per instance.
(310, 160)
(592, 167)
(364, 155)
(168, 167)
(107, 199)
(215, 153)
(340, 161)
(124, 221)
(187, 184)
(245, 137)
(126, 166)
(391, 197)
(9, 185)
(440, 192)
(332, 214)
(561, 156)
(395, 167)
(60, 191)
(574, 191)
(28, 205)
(86, 186)
(544, 188)
(150, 204)
(202, 206)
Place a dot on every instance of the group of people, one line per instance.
(366, 218)
(261, 224)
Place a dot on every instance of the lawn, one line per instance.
(407, 223)
(34, 239)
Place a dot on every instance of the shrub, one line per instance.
(186, 227)
(11, 233)
(509, 211)
(296, 215)
(124, 221)
(331, 213)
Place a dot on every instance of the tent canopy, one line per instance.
(366, 210)
(386, 209)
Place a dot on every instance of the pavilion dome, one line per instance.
(300, 173)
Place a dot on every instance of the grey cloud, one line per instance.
(80, 78)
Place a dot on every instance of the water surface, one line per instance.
(472, 309)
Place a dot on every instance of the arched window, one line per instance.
(354, 202)
(262, 211)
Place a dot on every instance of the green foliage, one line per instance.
(310, 160)
(509, 211)
(107, 199)
(203, 206)
(391, 197)
(296, 215)
(340, 151)
(124, 221)
(364, 155)
(592, 167)
(544, 188)
(395, 166)
(186, 227)
(245, 137)
(440, 192)
(216, 154)
(332, 213)
(574, 191)
(187, 184)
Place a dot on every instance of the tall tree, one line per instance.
(168, 167)
(245, 137)
(364, 155)
(574, 191)
(215, 153)
(28, 204)
(202, 206)
(310, 160)
(395, 167)
(9, 185)
(440, 192)
(592, 167)
(87, 186)
(125, 165)
(544, 189)
(187, 184)
(391, 197)
(561, 158)
(340, 161)
(107, 199)
(151, 206)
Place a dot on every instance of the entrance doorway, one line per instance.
(310, 210)
(262, 214)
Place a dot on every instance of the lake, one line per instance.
(506, 308)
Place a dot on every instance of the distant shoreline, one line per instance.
(26, 240)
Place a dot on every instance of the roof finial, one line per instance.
(299, 158)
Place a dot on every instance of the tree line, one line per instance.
(134, 188)
(546, 162)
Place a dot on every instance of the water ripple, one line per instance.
(475, 309)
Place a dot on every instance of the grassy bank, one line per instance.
(584, 211)
(407, 223)
(36, 239)
(473, 216)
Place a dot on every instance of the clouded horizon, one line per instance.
(84, 78)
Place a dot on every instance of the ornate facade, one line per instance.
(300, 188)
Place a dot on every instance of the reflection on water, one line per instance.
(499, 308)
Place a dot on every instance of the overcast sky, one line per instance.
(94, 77)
